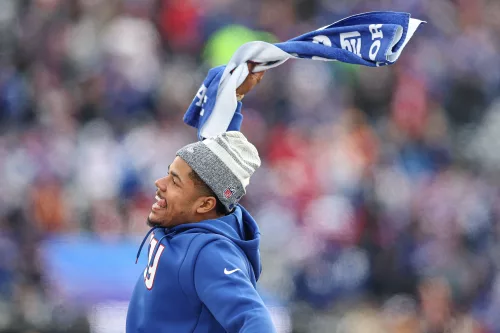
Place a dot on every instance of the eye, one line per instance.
(173, 181)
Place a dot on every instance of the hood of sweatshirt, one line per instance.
(239, 227)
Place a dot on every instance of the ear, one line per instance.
(205, 204)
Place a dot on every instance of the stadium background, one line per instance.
(378, 197)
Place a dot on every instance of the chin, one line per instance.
(152, 222)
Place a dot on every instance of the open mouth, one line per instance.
(159, 204)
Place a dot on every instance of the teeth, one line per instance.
(157, 198)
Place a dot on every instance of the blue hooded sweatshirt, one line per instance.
(201, 277)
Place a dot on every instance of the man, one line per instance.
(204, 258)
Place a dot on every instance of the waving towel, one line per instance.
(370, 39)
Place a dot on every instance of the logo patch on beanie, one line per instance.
(228, 192)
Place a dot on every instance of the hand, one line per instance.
(251, 80)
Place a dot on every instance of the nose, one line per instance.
(161, 184)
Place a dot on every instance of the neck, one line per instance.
(206, 216)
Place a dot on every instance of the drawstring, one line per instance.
(170, 234)
(144, 241)
(158, 245)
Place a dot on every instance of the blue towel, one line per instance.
(370, 39)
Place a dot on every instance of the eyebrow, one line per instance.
(174, 174)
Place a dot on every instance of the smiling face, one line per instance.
(179, 200)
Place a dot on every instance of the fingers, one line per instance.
(251, 65)
(259, 76)
(254, 76)
(251, 80)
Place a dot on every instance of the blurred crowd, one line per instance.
(379, 195)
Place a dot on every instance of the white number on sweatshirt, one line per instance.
(150, 271)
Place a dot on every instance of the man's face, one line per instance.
(175, 197)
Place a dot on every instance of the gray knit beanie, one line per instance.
(225, 163)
